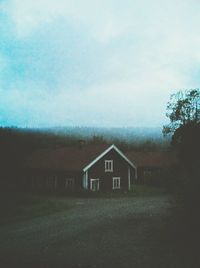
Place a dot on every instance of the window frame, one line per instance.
(71, 184)
(108, 164)
(118, 179)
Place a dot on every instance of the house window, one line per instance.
(116, 183)
(108, 165)
(147, 173)
(94, 184)
(69, 183)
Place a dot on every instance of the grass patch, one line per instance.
(22, 206)
(135, 191)
(145, 190)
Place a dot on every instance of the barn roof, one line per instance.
(152, 159)
(77, 158)
(73, 158)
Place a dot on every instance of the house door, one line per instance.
(94, 184)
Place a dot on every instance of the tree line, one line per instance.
(183, 110)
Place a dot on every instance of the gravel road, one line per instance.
(95, 232)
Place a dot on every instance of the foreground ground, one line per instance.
(94, 232)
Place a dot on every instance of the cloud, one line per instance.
(96, 62)
(98, 16)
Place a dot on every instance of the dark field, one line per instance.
(93, 232)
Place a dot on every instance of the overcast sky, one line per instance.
(95, 63)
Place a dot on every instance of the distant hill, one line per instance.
(123, 134)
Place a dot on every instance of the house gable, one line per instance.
(112, 147)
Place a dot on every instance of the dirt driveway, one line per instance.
(96, 232)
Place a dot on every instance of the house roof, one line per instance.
(152, 159)
(73, 158)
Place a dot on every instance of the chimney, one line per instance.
(81, 143)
